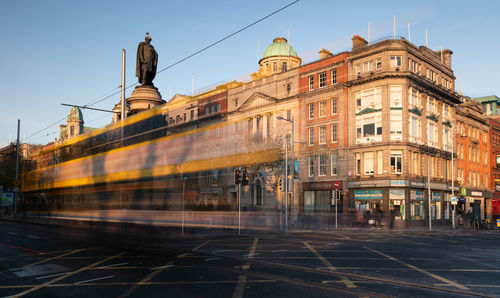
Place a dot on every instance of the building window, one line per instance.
(431, 132)
(334, 106)
(357, 165)
(396, 61)
(413, 95)
(191, 115)
(322, 109)
(235, 102)
(380, 162)
(322, 79)
(378, 63)
(430, 105)
(334, 76)
(396, 95)
(207, 110)
(322, 165)
(275, 66)
(368, 163)
(334, 163)
(357, 69)
(283, 66)
(311, 136)
(396, 162)
(311, 111)
(414, 128)
(396, 125)
(334, 133)
(311, 166)
(413, 66)
(311, 82)
(322, 134)
(432, 75)
(367, 66)
(71, 130)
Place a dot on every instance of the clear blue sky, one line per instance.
(57, 52)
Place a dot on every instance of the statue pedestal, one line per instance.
(144, 98)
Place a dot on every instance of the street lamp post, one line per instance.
(286, 172)
(453, 223)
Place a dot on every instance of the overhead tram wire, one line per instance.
(181, 60)
(228, 36)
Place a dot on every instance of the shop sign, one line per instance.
(417, 184)
(397, 202)
(368, 194)
(476, 193)
(417, 195)
(399, 182)
(371, 183)
(497, 186)
(325, 185)
(436, 196)
(210, 190)
(454, 200)
(439, 186)
(397, 194)
(463, 191)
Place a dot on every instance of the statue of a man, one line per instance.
(147, 60)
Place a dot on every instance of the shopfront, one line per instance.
(397, 204)
(417, 209)
(317, 197)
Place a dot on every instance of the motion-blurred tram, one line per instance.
(147, 170)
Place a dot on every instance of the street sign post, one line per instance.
(454, 200)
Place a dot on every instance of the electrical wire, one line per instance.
(178, 62)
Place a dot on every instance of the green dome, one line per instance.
(75, 113)
(279, 47)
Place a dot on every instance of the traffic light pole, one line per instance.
(336, 212)
(239, 209)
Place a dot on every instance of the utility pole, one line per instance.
(17, 167)
(452, 178)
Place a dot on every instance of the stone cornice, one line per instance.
(323, 90)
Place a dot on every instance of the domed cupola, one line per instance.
(278, 57)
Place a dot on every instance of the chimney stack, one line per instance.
(323, 53)
(358, 41)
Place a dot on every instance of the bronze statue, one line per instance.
(147, 60)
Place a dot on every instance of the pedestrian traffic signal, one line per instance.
(244, 177)
(237, 176)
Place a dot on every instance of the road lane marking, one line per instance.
(349, 283)
(94, 279)
(114, 265)
(56, 257)
(243, 278)
(157, 271)
(67, 275)
(33, 237)
(53, 275)
(201, 282)
(201, 245)
(279, 250)
(447, 281)
(162, 267)
(212, 259)
(11, 233)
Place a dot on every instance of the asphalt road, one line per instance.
(53, 261)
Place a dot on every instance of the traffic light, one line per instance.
(280, 184)
(333, 197)
(244, 177)
(237, 176)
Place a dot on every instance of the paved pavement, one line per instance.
(60, 261)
